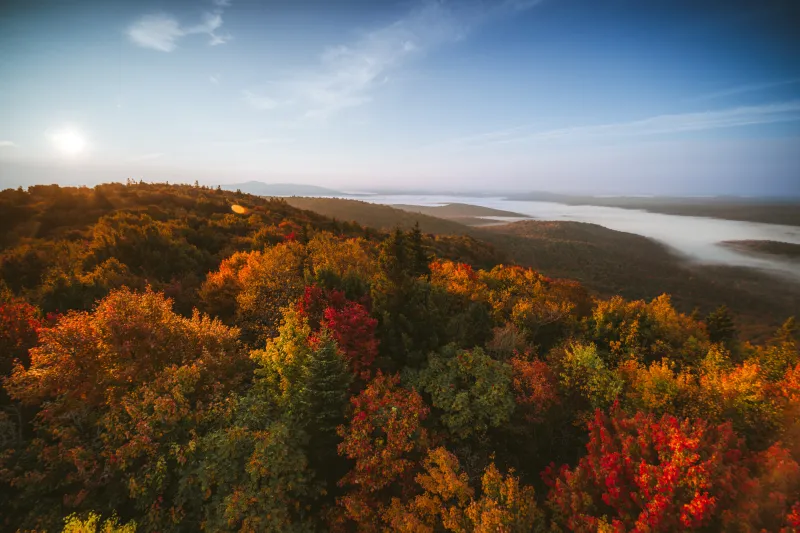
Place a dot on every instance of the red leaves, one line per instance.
(793, 520)
(650, 474)
(19, 326)
(349, 324)
(290, 230)
(314, 302)
(354, 331)
(767, 498)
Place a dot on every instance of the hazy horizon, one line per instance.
(570, 96)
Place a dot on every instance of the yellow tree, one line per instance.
(449, 503)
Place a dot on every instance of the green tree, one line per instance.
(309, 380)
(470, 391)
(586, 377)
(410, 323)
(249, 472)
(418, 256)
(720, 325)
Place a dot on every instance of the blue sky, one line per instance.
(613, 96)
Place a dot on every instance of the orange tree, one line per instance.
(119, 392)
(384, 439)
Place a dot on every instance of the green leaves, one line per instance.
(471, 391)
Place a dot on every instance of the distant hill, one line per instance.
(458, 211)
(766, 210)
(260, 188)
(766, 248)
(377, 215)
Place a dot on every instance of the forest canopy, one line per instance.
(179, 358)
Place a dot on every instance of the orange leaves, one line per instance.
(790, 385)
(522, 295)
(504, 505)
(121, 390)
(446, 495)
(386, 426)
(535, 386)
(383, 438)
(457, 278)
(96, 356)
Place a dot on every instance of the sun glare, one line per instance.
(69, 142)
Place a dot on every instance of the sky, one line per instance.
(588, 96)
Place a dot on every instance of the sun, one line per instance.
(69, 142)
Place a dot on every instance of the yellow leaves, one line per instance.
(450, 503)
(92, 524)
(343, 257)
(657, 388)
(648, 331)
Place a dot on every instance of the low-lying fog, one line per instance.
(697, 238)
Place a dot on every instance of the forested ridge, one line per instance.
(179, 358)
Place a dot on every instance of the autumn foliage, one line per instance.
(643, 473)
(384, 439)
(178, 358)
(19, 326)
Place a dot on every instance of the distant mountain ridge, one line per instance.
(261, 188)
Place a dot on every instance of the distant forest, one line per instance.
(180, 358)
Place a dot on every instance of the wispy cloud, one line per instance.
(747, 88)
(162, 31)
(347, 74)
(8, 144)
(213, 79)
(661, 124)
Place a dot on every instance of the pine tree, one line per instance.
(393, 258)
(418, 256)
(720, 325)
(325, 383)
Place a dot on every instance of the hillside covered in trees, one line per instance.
(607, 262)
(179, 358)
